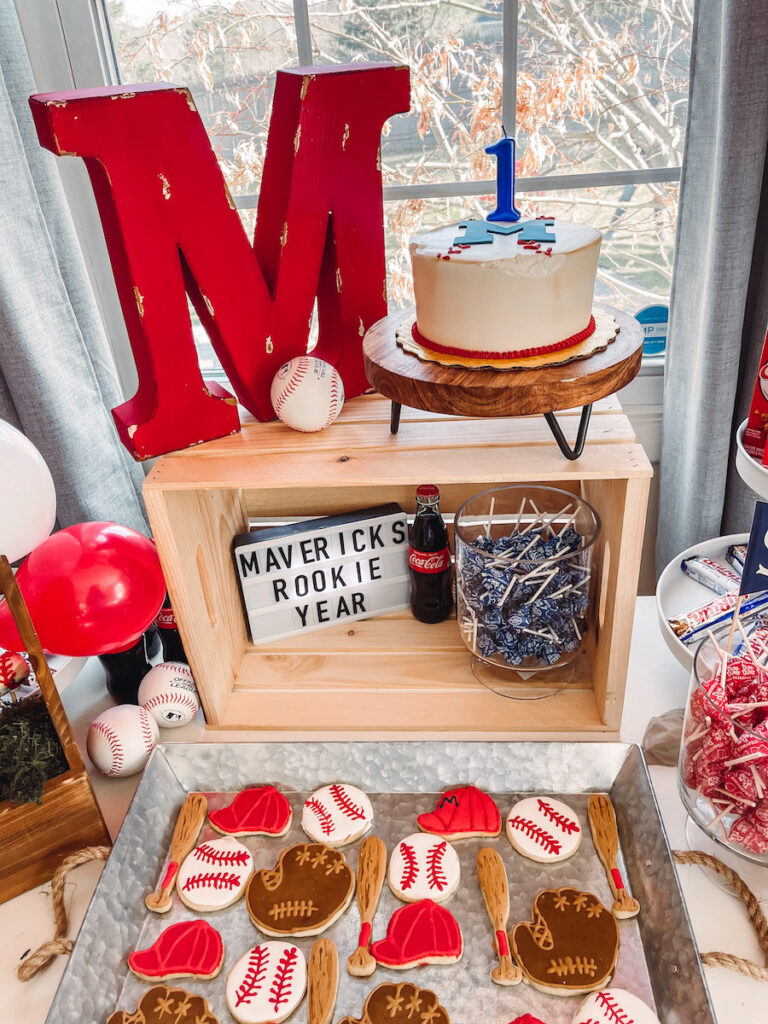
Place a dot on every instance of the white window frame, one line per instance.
(70, 47)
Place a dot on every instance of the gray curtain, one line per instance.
(57, 376)
(719, 304)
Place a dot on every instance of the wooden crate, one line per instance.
(391, 673)
(34, 838)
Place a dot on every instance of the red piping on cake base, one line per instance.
(518, 353)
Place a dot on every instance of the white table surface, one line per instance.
(656, 683)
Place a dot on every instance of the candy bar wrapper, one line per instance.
(690, 628)
(711, 574)
(736, 555)
(756, 430)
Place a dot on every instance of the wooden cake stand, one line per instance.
(407, 380)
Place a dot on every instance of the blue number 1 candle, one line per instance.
(504, 151)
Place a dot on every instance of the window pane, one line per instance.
(602, 84)
(454, 51)
(227, 54)
(637, 221)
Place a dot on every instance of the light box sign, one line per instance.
(309, 575)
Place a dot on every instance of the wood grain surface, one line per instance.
(403, 377)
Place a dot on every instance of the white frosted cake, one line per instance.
(509, 297)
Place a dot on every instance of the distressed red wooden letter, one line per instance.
(172, 228)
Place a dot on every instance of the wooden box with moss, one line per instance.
(40, 764)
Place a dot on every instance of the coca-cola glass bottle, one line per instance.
(125, 670)
(173, 649)
(429, 559)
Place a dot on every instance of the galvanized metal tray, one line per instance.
(658, 960)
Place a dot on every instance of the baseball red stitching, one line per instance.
(410, 867)
(183, 699)
(291, 384)
(211, 855)
(435, 872)
(563, 823)
(146, 732)
(280, 991)
(334, 402)
(114, 745)
(344, 802)
(612, 1008)
(325, 819)
(258, 959)
(536, 833)
(213, 880)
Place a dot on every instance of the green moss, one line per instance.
(30, 751)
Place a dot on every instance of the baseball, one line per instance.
(121, 739)
(169, 694)
(307, 394)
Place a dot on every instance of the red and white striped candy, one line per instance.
(424, 867)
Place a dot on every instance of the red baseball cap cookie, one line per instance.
(267, 984)
(419, 933)
(544, 829)
(462, 813)
(614, 1005)
(215, 874)
(422, 867)
(398, 1004)
(257, 811)
(570, 947)
(188, 949)
(337, 814)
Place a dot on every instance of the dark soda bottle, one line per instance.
(429, 559)
(125, 670)
(173, 649)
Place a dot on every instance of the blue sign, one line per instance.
(654, 321)
(755, 575)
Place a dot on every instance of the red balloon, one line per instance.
(90, 589)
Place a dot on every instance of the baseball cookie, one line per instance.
(215, 874)
(309, 888)
(424, 867)
(400, 1004)
(188, 949)
(419, 933)
(571, 946)
(162, 1005)
(258, 811)
(462, 813)
(267, 984)
(544, 829)
(337, 815)
(614, 1006)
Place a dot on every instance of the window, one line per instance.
(595, 92)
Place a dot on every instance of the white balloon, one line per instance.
(28, 506)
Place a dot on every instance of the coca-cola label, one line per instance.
(429, 561)
(165, 619)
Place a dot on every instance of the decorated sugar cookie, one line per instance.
(309, 888)
(419, 933)
(188, 949)
(267, 984)
(337, 815)
(424, 867)
(163, 1004)
(462, 813)
(544, 829)
(400, 1004)
(258, 811)
(571, 946)
(215, 874)
(614, 1006)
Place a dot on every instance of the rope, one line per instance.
(756, 916)
(59, 944)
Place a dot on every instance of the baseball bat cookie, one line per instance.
(424, 867)
(215, 874)
(322, 981)
(602, 823)
(185, 833)
(371, 868)
(492, 876)
(267, 984)
(337, 815)
(169, 694)
(544, 829)
(187, 949)
(121, 739)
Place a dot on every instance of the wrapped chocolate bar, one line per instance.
(736, 555)
(710, 574)
(691, 627)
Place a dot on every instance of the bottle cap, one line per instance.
(427, 493)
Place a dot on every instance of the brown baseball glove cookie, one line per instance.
(571, 946)
(401, 1004)
(309, 888)
(162, 1004)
